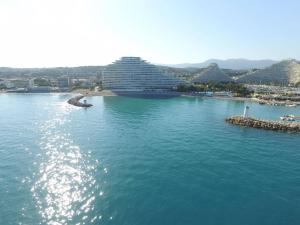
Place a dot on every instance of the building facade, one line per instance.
(135, 74)
(20, 83)
(63, 82)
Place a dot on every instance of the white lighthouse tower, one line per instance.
(246, 112)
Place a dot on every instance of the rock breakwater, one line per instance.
(291, 127)
(76, 102)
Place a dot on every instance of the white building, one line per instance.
(20, 83)
(31, 83)
(63, 82)
(7, 84)
(84, 83)
(135, 74)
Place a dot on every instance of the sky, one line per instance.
(48, 33)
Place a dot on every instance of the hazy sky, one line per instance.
(45, 33)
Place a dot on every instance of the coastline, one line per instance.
(108, 93)
(167, 94)
(170, 93)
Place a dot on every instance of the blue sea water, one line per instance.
(132, 161)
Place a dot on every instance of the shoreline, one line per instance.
(167, 94)
(108, 93)
(170, 93)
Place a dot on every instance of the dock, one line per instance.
(76, 102)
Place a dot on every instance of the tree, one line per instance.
(3, 87)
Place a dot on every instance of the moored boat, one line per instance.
(290, 105)
(288, 118)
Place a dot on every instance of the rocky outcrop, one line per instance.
(292, 127)
(212, 74)
(76, 102)
(284, 72)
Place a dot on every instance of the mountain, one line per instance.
(212, 74)
(235, 64)
(284, 72)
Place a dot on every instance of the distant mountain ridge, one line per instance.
(234, 64)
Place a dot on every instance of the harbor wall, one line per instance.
(292, 127)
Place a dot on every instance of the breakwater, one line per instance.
(292, 127)
(76, 102)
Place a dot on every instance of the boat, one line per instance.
(288, 118)
(290, 105)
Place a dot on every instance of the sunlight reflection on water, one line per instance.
(65, 189)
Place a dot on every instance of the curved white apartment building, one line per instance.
(135, 74)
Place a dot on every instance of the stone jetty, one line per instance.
(76, 102)
(291, 127)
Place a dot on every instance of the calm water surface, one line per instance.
(144, 161)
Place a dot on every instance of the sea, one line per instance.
(143, 161)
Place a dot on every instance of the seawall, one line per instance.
(292, 127)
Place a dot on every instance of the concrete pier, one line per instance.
(76, 102)
(291, 127)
